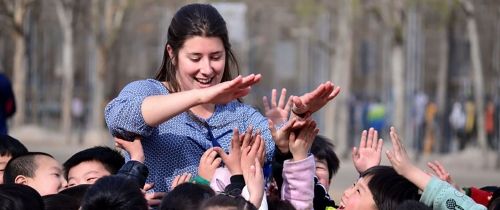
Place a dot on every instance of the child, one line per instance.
(9, 148)
(88, 165)
(436, 193)
(38, 170)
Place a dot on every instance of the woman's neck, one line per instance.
(204, 110)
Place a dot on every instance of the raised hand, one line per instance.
(301, 144)
(282, 136)
(311, 102)
(208, 164)
(369, 153)
(252, 170)
(179, 179)
(152, 198)
(225, 92)
(400, 161)
(134, 148)
(277, 113)
(232, 160)
(442, 173)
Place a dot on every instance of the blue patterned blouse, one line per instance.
(175, 146)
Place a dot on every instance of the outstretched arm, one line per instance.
(158, 109)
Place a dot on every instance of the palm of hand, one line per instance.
(277, 115)
(367, 158)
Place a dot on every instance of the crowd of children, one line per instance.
(191, 149)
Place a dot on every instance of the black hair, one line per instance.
(77, 192)
(186, 196)
(195, 20)
(494, 203)
(24, 164)
(227, 201)
(20, 197)
(114, 193)
(11, 146)
(388, 188)
(323, 149)
(412, 205)
(60, 202)
(111, 159)
(275, 203)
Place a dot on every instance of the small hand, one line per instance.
(179, 179)
(154, 198)
(441, 173)
(300, 145)
(232, 160)
(398, 155)
(254, 179)
(277, 113)
(311, 102)
(369, 153)
(134, 148)
(208, 164)
(282, 136)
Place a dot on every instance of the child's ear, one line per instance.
(21, 179)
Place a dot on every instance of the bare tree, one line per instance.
(64, 10)
(337, 125)
(477, 69)
(13, 15)
(107, 18)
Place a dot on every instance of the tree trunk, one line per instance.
(19, 78)
(442, 84)
(65, 20)
(337, 122)
(477, 75)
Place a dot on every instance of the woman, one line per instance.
(193, 104)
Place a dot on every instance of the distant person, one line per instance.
(7, 102)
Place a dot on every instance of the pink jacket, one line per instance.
(298, 182)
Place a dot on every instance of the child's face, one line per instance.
(48, 177)
(358, 197)
(322, 173)
(3, 162)
(86, 173)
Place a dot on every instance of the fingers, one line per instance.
(273, 98)
(247, 136)
(288, 104)
(266, 104)
(148, 186)
(380, 144)
(362, 141)
(374, 140)
(235, 140)
(371, 134)
(334, 93)
(179, 179)
(222, 153)
(282, 99)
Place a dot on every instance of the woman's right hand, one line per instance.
(225, 92)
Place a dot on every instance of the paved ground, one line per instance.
(469, 168)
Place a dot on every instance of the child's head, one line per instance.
(36, 169)
(327, 162)
(86, 166)
(60, 201)
(379, 187)
(114, 193)
(412, 205)
(227, 202)
(9, 148)
(20, 197)
(186, 196)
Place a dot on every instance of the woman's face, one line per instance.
(358, 197)
(200, 62)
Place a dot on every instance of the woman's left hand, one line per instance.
(311, 102)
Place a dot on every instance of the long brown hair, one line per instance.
(195, 20)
